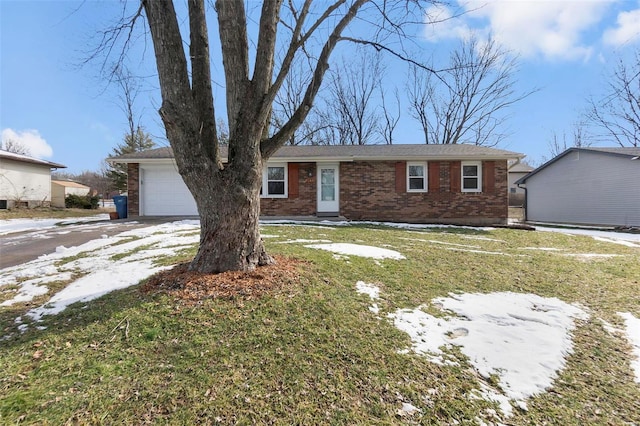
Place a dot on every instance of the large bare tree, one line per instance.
(352, 109)
(467, 101)
(559, 144)
(228, 195)
(14, 146)
(135, 139)
(617, 114)
(289, 97)
(390, 119)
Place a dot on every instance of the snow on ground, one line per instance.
(358, 250)
(302, 241)
(606, 236)
(632, 325)
(10, 226)
(621, 242)
(104, 265)
(523, 339)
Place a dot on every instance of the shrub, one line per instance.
(81, 201)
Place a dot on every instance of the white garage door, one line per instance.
(163, 192)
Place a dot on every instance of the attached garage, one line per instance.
(163, 192)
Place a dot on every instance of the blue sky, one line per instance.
(65, 112)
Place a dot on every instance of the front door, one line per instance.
(328, 189)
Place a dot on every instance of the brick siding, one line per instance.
(368, 191)
(301, 204)
(133, 189)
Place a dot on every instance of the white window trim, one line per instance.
(471, 163)
(265, 181)
(426, 176)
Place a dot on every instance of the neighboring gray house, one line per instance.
(516, 194)
(586, 186)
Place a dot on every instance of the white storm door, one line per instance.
(328, 188)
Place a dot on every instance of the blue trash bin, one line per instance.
(120, 202)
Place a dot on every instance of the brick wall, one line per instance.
(302, 193)
(133, 189)
(368, 191)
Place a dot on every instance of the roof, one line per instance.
(69, 184)
(351, 153)
(520, 168)
(6, 155)
(631, 153)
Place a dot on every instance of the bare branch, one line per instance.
(617, 114)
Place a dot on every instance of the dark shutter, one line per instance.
(401, 177)
(434, 176)
(489, 177)
(293, 180)
(454, 176)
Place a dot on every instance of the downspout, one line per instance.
(524, 206)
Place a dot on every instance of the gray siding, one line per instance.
(586, 188)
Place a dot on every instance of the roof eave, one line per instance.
(338, 159)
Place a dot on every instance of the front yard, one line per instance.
(379, 325)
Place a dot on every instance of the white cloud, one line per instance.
(31, 140)
(627, 29)
(551, 29)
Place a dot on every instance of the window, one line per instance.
(274, 181)
(416, 177)
(471, 176)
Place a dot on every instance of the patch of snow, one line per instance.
(372, 290)
(480, 238)
(621, 242)
(490, 394)
(33, 288)
(589, 256)
(407, 409)
(337, 223)
(453, 244)
(358, 250)
(440, 242)
(96, 284)
(523, 339)
(632, 325)
(609, 236)
(610, 328)
(478, 251)
(11, 226)
(96, 260)
(302, 241)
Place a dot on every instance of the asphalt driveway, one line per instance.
(20, 247)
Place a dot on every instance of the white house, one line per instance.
(25, 181)
(587, 186)
(61, 188)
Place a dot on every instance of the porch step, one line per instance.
(327, 214)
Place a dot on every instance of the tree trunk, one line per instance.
(229, 229)
(228, 195)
